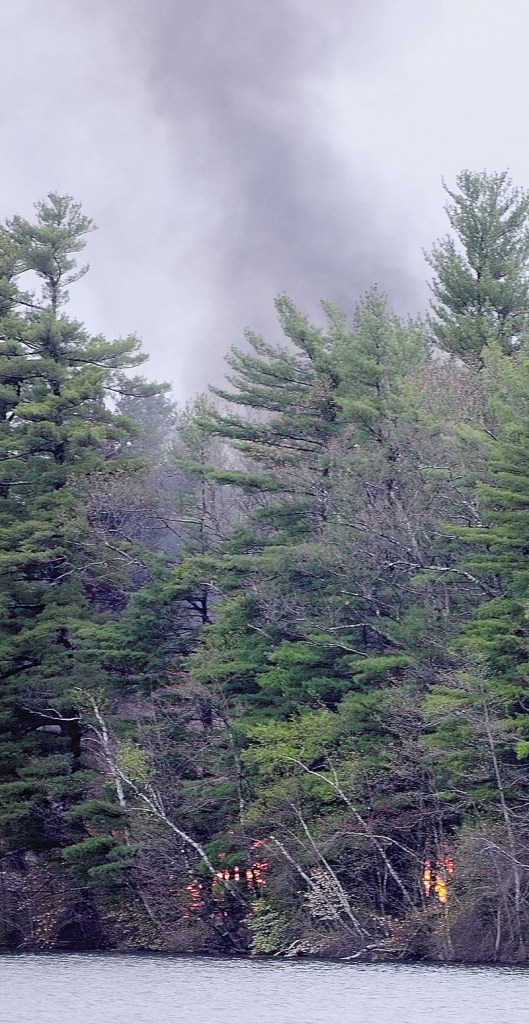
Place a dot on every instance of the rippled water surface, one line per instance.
(111, 989)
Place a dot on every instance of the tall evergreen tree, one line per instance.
(319, 621)
(56, 429)
(324, 564)
(481, 279)
(497, 634)
(478, 707)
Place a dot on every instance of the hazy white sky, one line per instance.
(232, 149)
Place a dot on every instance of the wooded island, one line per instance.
(264, 660)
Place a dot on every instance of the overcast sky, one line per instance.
(229, 150)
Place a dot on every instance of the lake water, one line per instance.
(114, 989)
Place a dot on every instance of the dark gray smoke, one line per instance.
(232, 149)
(213, 142)
(235, 83)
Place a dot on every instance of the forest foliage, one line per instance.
(264, 659)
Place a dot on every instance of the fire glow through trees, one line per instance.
(435, 877)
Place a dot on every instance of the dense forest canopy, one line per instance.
(264, 659)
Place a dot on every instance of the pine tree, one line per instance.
(477, 709)
(481, 282)
(336, 533)
(497, 634)
(56, 429)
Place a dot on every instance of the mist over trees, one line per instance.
(264, 659)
